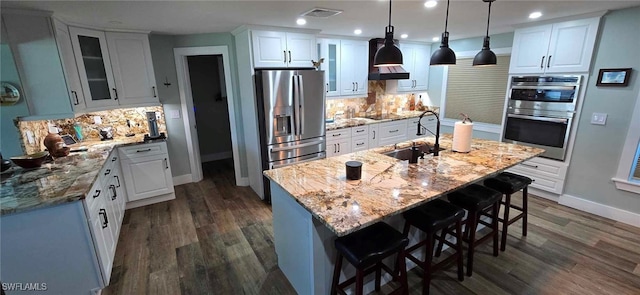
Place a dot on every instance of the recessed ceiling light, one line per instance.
(435, 39)
(404, 36)
(430, 4)
(301, 21)
(357, 31)
(536, 14)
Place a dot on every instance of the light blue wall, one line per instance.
(10, 141)
(598, 148)
(164, 65)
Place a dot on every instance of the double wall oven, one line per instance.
(540, 112)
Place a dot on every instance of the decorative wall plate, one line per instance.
(9, 94)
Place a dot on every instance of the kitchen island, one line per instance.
(313, 203)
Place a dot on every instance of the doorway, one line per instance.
(207, 104)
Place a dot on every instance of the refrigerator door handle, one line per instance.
(293, 147)
(294, 96)
(317, 157)
(301, 104)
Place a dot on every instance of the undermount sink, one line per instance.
(405, 154)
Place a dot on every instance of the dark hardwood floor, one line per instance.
(215, 238)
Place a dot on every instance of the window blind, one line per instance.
(477, 91)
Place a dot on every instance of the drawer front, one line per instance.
(392, 132)
(360, 143)
(549, 184)
(359, 131)
(338, 134)
(108, 167)
(143, 150)
(539, 167)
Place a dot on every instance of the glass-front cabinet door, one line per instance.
(329, 49)
(94, 66)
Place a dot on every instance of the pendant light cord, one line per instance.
(488, 18)
(389, 13)
(446, 20)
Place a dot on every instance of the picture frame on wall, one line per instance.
(614, 77)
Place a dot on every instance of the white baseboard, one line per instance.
(244, 181)
(149, 201)
(600, 210)
(182, 179)
(216, 156)
(544, 194)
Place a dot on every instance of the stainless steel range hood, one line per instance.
(383, 73)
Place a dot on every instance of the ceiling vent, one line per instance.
(321, 12)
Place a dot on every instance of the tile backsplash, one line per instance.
(376, 103)
(115, 118)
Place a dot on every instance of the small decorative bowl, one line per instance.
(30, 161)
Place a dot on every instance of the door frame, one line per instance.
(186, 104)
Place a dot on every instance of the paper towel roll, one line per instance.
(462, 133)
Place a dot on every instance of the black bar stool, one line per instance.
(508, 183)
(479, 201)
(437, 215)
(366, 249)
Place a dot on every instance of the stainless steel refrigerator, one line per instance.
(291, 116)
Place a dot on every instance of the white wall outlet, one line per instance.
(97, 120)
(174, 114)
(599, 118)
(30, 137)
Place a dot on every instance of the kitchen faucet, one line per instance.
(436, 146)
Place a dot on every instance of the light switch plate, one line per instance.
(30, 137)
(599, 118)
(97, 120)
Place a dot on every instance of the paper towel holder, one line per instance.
(465, 118)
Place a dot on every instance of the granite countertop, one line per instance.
(358, 121)
(389, 186)
(65, 179)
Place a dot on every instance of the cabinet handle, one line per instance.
(289, 56)
(335, 148)
(353, 86)
(117, 179)
(107, 172)
(114, 159)
(113, 190)
(105, 221)
(361, 130)
(548, 61)
(115, 91)
(359, 144)
(394, 131)
(166, 163)
(327, 87)
(542, 63)
(142, 151)
(75, 95)
(356, 86)
(338, 134)
(374, 134)
(529, 165)
(153, 88)
(97, 194)
(338, 147)
(285, 56)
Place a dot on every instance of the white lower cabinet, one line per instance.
(392, 132)
(373, 135)
(548, 175)
(338, 147)
(146, 171)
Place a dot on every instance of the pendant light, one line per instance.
(486, 57)
(444, 55)
(389, 54)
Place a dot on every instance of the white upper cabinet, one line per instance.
(329, 49)
(94, 67)
(281, 49)
(416, 58)
(354, 67)
(74, 85)
(558, 48)
(115, 69)
(130, 56)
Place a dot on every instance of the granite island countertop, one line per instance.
(359, 121)
(389, 186)
(65, 179)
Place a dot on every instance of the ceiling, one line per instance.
(466, 18)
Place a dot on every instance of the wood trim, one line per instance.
(149, 201)
(625, 185)
(616, 214)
